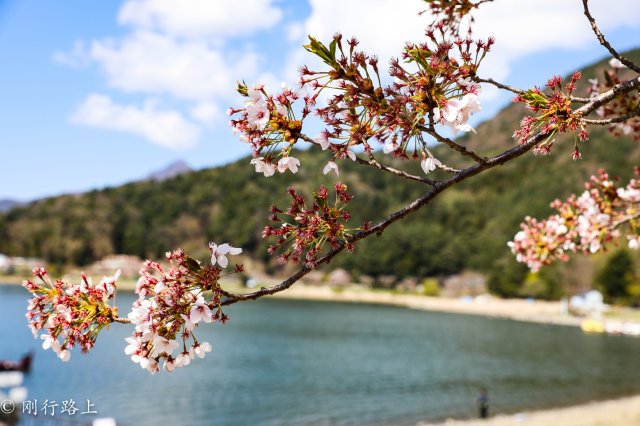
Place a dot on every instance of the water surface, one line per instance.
(296, 362)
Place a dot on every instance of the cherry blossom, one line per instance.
(329, 167)
(71, 314)
(268, 169)
(583, 223)
(323, 141)
(429, 164)
(290, 163)
(201, 349)
(219, 253)
(199, 312)
(457, 112)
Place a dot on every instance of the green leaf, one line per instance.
(320, 50)
(243, 89)
(193, 265)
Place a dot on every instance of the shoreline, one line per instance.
(541, 312)
(623, 411)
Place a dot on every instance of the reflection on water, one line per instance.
(293, 362)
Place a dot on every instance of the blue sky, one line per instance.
(95, 94)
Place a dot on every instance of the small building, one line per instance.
(588, 303)
(5, 263)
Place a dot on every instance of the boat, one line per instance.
(24, 365)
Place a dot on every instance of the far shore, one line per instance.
(515, 309)
(537, 311)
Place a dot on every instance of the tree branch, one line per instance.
(619, 119)
(374, 163)
(499, 85)
(438, 187)
(456, 147)
(603, 41)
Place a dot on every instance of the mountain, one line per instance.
(7, 204)
(465, 228)
(172, 170)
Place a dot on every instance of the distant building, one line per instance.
(19, 265)
(5, 264)
(129, 265)
(587, 303)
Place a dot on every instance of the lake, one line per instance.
(283, 362)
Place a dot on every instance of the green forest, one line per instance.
(466, 228)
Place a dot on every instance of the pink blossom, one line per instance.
(331, 166)
(258, 115)
(200, 311)
(429, 164)
(201, 349)
(268, 169)
(219, 253)
(323, 140)
(290, 163)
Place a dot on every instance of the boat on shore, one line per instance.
(24, 365)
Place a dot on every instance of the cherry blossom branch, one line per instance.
(456, 147)
(605, 97)
(379, 228)
(499, 85)
(603, 41)
(438, 187)
(619, 119)
(374, 163)
(579, 99)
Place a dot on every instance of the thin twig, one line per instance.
(619, 119)
(603, 41)
(374, 163)
(439, 187)
(456, 147)
(500, 85)
(579, 99)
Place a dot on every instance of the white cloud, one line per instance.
(206, 112)
(77, 57)
(201, 18)
(295, 31)
(545, 24)
(165, 128)
(156, 63)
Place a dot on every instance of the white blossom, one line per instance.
(290, 163)
(219, 253)
(331, 166)
(429, 164)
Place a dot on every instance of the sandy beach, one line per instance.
(617, 412)
(514, 309)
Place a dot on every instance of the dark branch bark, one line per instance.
(456, 147)
(499, 85)
(438, 187)
(603, 41)
(374, 163)
(612, 120)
